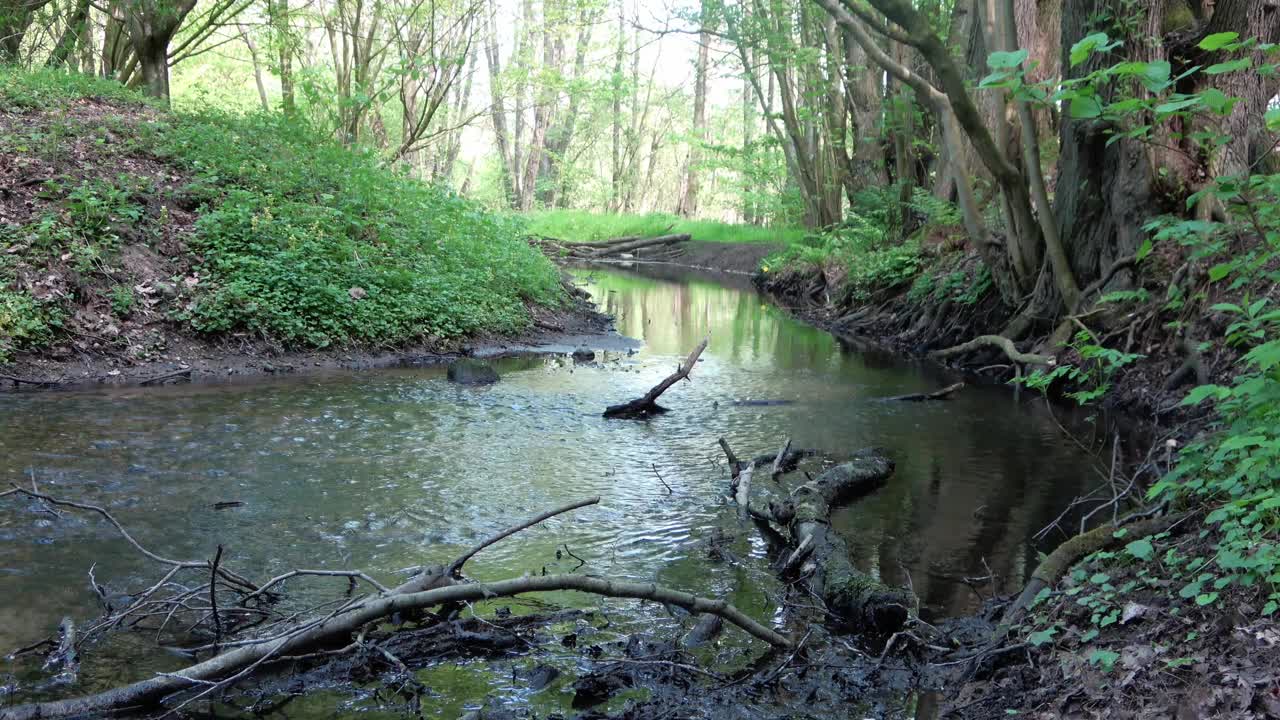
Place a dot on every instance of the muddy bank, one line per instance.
(961, 307)
(81, 363)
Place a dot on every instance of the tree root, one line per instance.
(996, 341)
(1053, 567)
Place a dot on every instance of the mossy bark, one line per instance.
(857, 601)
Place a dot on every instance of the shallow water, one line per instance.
(386, 469)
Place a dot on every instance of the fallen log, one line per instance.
(648, 405)
(640, 245)
(942, 394)
(859, 601)
(856, 601)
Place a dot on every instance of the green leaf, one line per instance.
(1085, 107)
(1042, 637)
(1083, 49)
(1145, 250)
(1273, 119)
(1174, 106)
(1226, 67)
(1217, 41)
(1219, 271)
(1006, 60)
(1140, 549)
(1206, 598)
(1105, 658)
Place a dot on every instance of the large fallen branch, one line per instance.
(942, 394)
(241, 655)
(858, 600)
(820, 557)
(340, 625)
(640, 244)
(607, 248)
(648, 405)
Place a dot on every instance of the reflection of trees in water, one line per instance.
(673, 317)
(941, 523)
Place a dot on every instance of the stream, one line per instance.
(380, 470)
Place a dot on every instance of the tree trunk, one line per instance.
(76, 31)
(1105, 189)
(154, 60)
(279, 18)
(688, 204)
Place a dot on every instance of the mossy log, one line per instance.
(820, 557)
(858, 601)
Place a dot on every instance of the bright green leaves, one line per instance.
(1273, 119)
(1219, 41)
(1106, 659)
(1087, 46)
(1140, 549)
(1006, 60)
(1042, 637)
(1227, 67)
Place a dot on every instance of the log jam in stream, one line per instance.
(399, 470)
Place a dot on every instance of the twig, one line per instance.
(664, 482)
(213, 598)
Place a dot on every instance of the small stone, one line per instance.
(584, 354)
(471, 372)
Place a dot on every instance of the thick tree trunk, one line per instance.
(154, 59)
(1249, 139)
(1105, 189)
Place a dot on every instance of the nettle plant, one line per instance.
(1235, 470)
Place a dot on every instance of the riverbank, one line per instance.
(143, 245)
(1166, 607)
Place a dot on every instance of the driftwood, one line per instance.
(859, 601)
(820, 557)
(19, 382)
(342, 623)
(607, 248)
(648, 405)
(175, 375)
(240, 655)
(942, 394)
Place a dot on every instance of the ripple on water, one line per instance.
(385, 470)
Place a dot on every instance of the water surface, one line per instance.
(387, 469)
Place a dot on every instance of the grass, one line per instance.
(264, 226)
(583, 226)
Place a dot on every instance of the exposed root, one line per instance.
(994, 341)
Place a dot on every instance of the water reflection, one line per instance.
(388, 469)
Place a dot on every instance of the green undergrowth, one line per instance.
(1224, 559)
(583, 226)
(870, 254)
(264, 226)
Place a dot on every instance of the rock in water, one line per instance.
(472, 372)
(584, 354)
